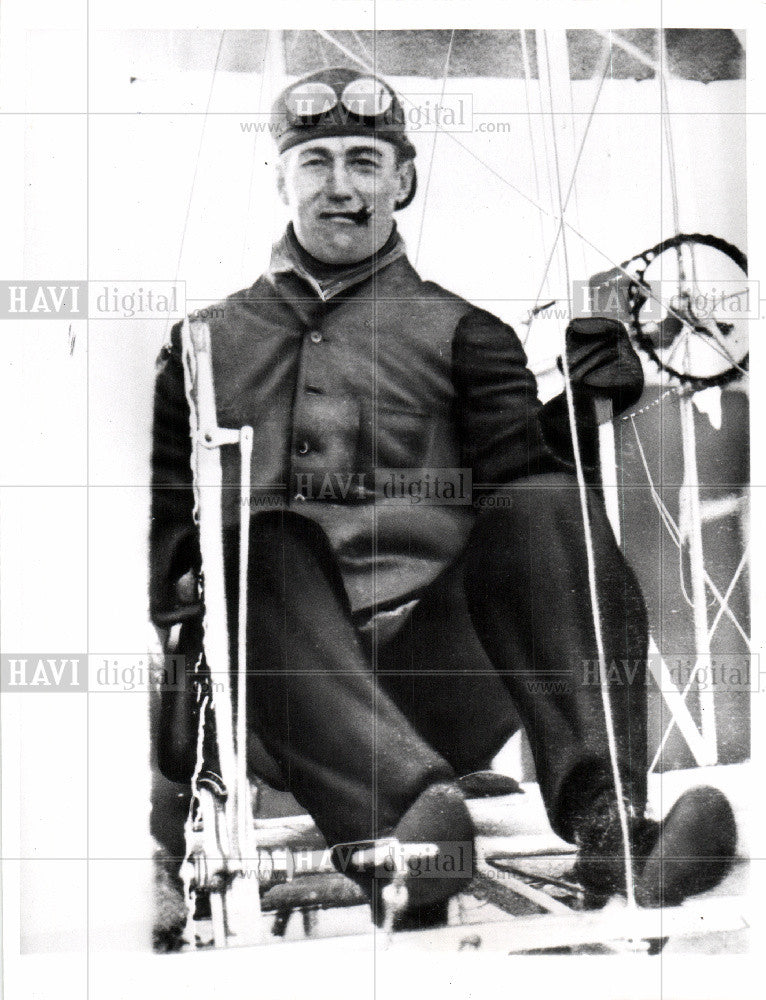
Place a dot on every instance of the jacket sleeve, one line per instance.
(173, 534)
(505, 430)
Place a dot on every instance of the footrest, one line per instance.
(321, 891)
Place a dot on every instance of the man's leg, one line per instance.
(526, 578)
(522, 585)
(437, 672)
(348, 754)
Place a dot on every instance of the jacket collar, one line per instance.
(285, 260)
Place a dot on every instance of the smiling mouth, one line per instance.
(360, 218)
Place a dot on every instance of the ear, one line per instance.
(405, 171)
(281, 185)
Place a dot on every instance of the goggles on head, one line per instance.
(339, 101)
(365, 98)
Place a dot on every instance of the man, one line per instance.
(393, 647)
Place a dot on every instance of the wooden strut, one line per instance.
(227, 824)
(614, 925)
(690, 523)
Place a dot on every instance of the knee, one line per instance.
(288, 552)
(535, 508)
(537, 534)
(284, 527)
(282, 538)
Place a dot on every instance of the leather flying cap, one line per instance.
(339, 101)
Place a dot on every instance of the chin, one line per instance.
(348, 252)
(358, 251)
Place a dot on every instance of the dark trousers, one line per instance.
(360, 727)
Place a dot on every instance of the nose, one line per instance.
(339, 184)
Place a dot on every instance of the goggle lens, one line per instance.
(309, 100)
(363, 98)
(367, 97)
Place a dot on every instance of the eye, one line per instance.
(365, 162)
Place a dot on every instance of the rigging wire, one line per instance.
(193, 184)
(609, 722)
(589, 549)
(675, 533)
(604, 67)
(256, 136)
(724, 601)
(532, 140)
(360, 42)
(551, 194)
(575, 186)
(670, 151)
(693, 675)
(433, 149)
(691, 496)
(563, 225)
(726, 597)
(650, 292)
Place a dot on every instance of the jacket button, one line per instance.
(316, 337)
(303, 448)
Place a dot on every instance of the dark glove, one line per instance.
(602, 361)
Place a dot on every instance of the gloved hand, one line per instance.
(603, 362)
(187, 590)
(187, 605)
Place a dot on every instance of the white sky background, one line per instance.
(73, 560)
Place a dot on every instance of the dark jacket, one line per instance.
(378, 371)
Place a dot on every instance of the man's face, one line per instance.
(341, 192)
